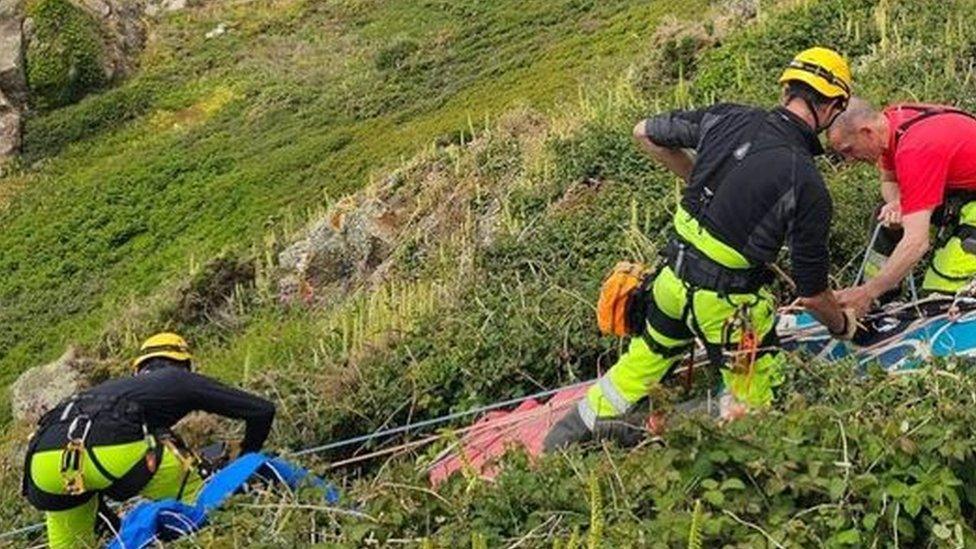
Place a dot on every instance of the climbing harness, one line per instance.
(72, 457)
(926, 112)
(697, 269)
(77, 426)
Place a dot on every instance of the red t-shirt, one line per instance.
(934, 155)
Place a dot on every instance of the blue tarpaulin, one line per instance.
(170, 519)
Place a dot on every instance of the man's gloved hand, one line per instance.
(626, 431)
(847, 332)
(214, 457)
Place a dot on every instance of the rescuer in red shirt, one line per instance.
(927, 158)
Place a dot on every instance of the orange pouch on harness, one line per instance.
(619, 289)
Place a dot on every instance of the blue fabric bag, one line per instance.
(170, 519)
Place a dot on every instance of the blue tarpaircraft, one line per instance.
(900, 337)
(167, 520)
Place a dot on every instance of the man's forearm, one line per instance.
(889, 189)
(903, 259)
(675, 159)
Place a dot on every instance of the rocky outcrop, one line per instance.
(342, 247)
(122, 28)
(124, 32)
(125, 29)
(13, 85)
(406, 217)
(39, 389)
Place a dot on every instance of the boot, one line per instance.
(568, 430)
(626, 431)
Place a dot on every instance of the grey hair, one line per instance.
(859, 113)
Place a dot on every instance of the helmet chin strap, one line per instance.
(813, 111)
(816, 117)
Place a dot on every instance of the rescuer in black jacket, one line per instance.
(114, 440)
(752, 187)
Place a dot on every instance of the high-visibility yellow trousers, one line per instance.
(683, 314)
(951, 268)
(75, 527)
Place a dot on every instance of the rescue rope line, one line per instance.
(24, 530)
(509, 422)
(433, 421)
(867, 253)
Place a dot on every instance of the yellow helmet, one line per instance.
(166, 345)
(823, 69)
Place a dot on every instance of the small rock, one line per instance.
(157, 7)
(742, 9)
(39, 389)
(27, 28)
(10, 131)
(13, 87)
(98, 7)
(13, 81)
(217, 31)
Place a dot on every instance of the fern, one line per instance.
(694, 533)
(596, 512)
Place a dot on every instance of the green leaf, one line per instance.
(714, 497)
(836, 486)
(870, 521)
(709, 484)
(733, 484)
(847, 537)
(897, 489)
(913, 505)
(941, 531)
(718, 456)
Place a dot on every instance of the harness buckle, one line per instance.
(72, 457)
(151, 464)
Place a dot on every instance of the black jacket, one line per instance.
(167, 394)
(763, 188)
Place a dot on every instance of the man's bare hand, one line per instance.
(890, 214)
(858, 298)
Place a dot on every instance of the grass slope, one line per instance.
(218, 140)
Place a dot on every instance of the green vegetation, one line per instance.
(489, 291)
(842, 461)
(222, 141)
(65, 55)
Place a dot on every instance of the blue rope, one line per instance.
(429, 422)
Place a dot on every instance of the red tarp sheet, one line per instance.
(495, 433)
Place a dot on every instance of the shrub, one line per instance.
(64, 57)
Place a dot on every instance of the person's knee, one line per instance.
(756, 385)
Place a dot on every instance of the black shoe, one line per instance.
(626, 430)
